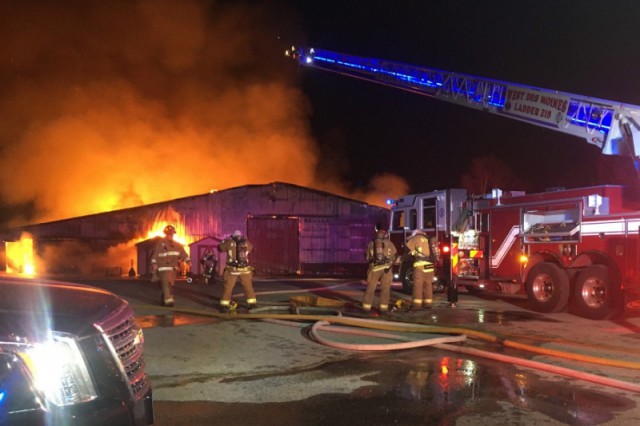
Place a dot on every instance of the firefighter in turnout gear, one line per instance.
(165, 262)
(237, 248)
(381, 253)
(423, 270)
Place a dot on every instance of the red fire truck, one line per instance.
(575, 249)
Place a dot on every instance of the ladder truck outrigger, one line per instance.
(567, 249)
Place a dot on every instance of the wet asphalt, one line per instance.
(208, 368)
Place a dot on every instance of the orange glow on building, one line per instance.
(20, 258)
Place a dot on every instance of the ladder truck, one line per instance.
(573, 249)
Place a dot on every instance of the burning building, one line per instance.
(295, 231)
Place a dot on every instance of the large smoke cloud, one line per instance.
(108, 105)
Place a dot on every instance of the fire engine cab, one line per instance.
(574, 249)
(435, 213)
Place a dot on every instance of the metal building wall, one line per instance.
(330, 236)
(334, 246)
(276, 246)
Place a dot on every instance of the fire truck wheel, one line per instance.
(547, 288)
(595, 295)
(406, 277)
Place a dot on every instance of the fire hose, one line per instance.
(324, 322)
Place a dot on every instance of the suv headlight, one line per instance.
(59, 370)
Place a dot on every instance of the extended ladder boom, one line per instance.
(611, 126)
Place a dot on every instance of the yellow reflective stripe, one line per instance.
(384, 307)
(380, 267)
(169, 253)
(225, 302)
(428, 300)
(366, 306)
(417, 301)
(251, 300)
(166, 268)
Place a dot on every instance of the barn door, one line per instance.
(276, 246)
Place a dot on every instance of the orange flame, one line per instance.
(20, 258)
(169, 217)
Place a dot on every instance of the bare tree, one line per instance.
(490, 172)
(616, 170)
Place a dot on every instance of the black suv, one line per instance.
(70, 354)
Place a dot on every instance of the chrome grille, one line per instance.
(127, 341)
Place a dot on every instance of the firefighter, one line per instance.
(423, 270)
(208, 265)
(165, 262)
(237, 268)
(381, 253)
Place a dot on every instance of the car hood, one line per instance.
(30, 307)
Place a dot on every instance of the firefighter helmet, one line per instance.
(417, 232)
(169, 230)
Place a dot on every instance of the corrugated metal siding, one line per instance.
(144, 251)
(276, 246)
(334, 245)
(329, 233)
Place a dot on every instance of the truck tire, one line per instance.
(547, 288)
(595, 295)
(406, 277)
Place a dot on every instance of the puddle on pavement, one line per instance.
(482, 316)
(434, 316)
(428, 389)
(461, 316)
(421, 388)
(172, 320)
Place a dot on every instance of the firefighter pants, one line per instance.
(167, 280)
(422, 287)
(375, 275)
(230, 277)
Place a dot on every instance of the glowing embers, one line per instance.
(19, 256)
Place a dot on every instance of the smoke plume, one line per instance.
(109, 105)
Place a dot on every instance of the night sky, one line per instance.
(591, 48)
(108, 105)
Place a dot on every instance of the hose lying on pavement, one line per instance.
(442, 343)
(581, 375)
(409, 344)
(460, 334)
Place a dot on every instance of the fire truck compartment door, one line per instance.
(543, 232)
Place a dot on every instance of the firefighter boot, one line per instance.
(228, 307)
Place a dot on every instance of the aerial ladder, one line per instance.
(612, 126)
